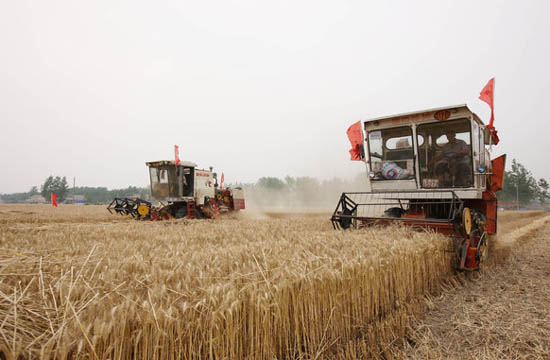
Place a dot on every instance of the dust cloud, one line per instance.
(298, 195)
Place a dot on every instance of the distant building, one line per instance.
(78, 199)
(36, 199)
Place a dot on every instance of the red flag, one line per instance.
(488, 95)
(221, 182)
(54, 199)
(177, 152)
(355, 136)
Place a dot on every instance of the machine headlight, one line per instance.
(481, 169)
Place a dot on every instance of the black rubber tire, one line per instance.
(181, 212)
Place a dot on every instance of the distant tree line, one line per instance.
(93, 195)
(102, 195)
(520, 184)
(301, 191)
(266, 192)
(19, 197)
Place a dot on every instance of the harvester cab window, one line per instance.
(159, 182)
(163, 176)
(391, 154)
(445, 155)
(173, 181)
(164, 181)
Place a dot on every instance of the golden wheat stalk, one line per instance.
(85, 286)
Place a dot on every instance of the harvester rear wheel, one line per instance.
(483, 247)
(483, 243)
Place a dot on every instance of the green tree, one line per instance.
(542, 193)
(271, 183)
(15, 197)
(46, 188)
(102, 195)
(62, 187)
(290, 182)
(308, 191)
(519, 183)
(56, 185)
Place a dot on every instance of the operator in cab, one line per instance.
(453, 162)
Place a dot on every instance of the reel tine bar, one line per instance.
(434, 209)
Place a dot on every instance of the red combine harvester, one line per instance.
(183, 191)
(431, 170)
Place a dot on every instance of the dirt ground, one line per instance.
(501, 313)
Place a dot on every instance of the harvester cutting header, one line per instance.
(428, 169)
(184, 191)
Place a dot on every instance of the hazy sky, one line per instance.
(94, 89)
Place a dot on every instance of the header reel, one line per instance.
(136, 208)
(441, 211)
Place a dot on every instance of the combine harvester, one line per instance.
(184, 191)
(428, 169)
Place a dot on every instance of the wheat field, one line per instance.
(77, 282)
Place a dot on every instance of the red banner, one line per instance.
(54, 199)
(355, 136)
(177, 153)
(221, 182)
(488, 95)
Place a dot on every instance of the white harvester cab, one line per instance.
(184, 182)
(436, 149)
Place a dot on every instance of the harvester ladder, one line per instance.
(191, 211)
